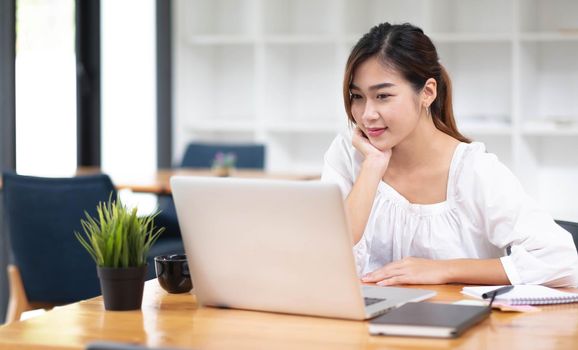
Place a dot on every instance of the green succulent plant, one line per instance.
(117, 237)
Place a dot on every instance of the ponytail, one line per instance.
(442, 109)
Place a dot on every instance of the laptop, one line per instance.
(276, 245)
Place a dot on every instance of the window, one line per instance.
(128, 93)
(45, 87)
(128, 86)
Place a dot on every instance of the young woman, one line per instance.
(426, 206)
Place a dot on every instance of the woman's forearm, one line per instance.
(359, 202)
(476, 271)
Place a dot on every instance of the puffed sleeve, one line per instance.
(340, 164)
(337, 165)
(541, 252)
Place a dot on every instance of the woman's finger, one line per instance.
(385, 272)
(395, 280)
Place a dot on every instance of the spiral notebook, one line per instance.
(525, 295)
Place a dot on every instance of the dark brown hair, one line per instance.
(410, 52)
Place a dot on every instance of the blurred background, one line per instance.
(125, 85)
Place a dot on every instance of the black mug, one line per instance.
(173, 273)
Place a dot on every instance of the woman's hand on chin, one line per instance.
(369, 151)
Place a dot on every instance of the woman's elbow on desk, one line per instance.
(552, 270)
(569, 275)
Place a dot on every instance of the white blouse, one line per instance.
(486, 212)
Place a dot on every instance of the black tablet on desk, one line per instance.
(428, 320)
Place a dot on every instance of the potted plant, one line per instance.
(118, 240)
(223, 163)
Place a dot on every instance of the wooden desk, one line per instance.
(159, 182)
(174, 320)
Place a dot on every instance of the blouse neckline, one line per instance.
(428, 209)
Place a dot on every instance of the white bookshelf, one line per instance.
(271, 70)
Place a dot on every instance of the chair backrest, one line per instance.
(42, 215)
(201, 155)
(571, 227)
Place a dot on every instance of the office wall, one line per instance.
(270, 71)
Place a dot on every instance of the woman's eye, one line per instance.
(355, 96)
(382, 96)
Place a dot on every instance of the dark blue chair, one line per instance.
(201, 155)
(571, 227)
(42, 215)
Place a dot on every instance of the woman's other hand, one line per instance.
(410, 271)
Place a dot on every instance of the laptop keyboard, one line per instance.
(371, 301)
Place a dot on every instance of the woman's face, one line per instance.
(384, 105)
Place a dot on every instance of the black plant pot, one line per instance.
(122, 287)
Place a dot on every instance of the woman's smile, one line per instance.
(375, 132)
